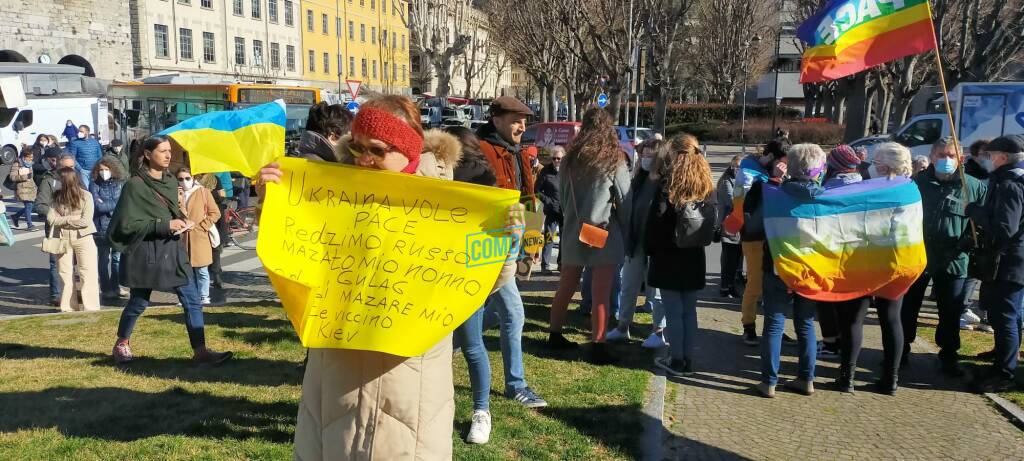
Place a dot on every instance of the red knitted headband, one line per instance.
(379, 124)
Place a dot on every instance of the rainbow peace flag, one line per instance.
(239, 140)
(850, 241)
(750, 172)
(848, 36)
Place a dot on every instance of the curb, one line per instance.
(1015, 413)
(654, 427)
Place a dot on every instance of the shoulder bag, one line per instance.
(212, 232)
(53, 243)
(590, 235)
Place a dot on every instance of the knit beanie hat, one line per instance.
(843, 159)
(381, 125)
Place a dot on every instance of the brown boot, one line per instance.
(209, 356)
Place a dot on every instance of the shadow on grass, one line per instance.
(124, 415)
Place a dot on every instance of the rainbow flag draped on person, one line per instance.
(851, 241)
(750, 172)
(238, 140)
(848, 36)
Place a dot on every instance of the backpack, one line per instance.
(696, 223)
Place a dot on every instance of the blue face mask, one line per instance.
(987, 164)
(946, 166)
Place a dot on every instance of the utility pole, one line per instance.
(743, 113)
(775, 64)
(338, 23)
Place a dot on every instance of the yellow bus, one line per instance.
(141, 109)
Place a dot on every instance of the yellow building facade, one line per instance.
(364, 40)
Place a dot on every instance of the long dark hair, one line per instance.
(327, 119)
(70, 195)
(150, 143)
(596, 151)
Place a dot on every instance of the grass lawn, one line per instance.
(63, 398)
(971, 343)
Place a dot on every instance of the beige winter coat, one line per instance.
(201, 209)
(362, 406)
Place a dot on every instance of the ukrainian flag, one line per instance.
(240, 140)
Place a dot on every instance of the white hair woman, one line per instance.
(806, 167)
(891, 160)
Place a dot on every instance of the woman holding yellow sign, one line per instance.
(367, 405)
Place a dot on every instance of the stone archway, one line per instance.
(11, 56)
(76, 60)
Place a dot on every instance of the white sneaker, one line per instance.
(204, 300)
(480, 429)
(616, 335)
(654, 341)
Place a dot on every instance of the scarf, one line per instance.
(145, 203)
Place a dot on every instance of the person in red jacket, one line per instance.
(499, 142)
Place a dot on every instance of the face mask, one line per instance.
(186, 184)
(69, 123)
(873, 172)
(81, 135)
(946, 166)
(645, 163)
(105, 174)
(987, 164)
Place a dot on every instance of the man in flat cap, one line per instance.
(1001, 257)
(499, 142)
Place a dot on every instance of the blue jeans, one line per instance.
(551, 227)
(681, 314)
(54, 276)
(110, 267)
(83, 175)
(508, 305)
(470, 337)
(189, 298)
(777, 300)
(202, 277)
(1002, 299)
(585, 290)
(26, 212)
(632, 276)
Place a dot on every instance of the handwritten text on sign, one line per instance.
(372, 260)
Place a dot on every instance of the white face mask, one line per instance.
(105, 174)
(645, 163)
(873, 172)
(81, 135)
(187, 184)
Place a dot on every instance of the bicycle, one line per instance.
(241, 224)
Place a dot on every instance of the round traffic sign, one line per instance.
(352, 106)
(602, 100)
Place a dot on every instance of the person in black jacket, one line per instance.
(678, 272)
(546, 188)
(1001, 220)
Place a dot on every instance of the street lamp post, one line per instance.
(743, 113)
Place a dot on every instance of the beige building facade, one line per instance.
(222, 40)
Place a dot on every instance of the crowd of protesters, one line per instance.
(622, 230)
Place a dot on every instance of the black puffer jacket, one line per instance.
(546, 188)
(1002, 221)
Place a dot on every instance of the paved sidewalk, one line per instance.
(714, 415)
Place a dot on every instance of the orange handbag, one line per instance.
(591, 235)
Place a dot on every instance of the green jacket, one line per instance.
(944, 220)
(47, 186)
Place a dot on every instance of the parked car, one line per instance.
(629, 137)
(870, 143)
(430, 116)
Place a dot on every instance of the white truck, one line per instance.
(49, 115)
(981, 110)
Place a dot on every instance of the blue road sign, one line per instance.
(353, 106)
(602, 100)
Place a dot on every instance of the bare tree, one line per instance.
(721, 47)
(437, 32)
(527, 36)
(978, 38)
(663, 23)
(478, 54)
(502, 64)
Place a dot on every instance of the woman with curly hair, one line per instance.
(594, 181)
(685, 178)
(107, 181)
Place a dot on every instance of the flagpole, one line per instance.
(952, 126)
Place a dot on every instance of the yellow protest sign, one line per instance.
(374, 260)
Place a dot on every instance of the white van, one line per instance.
(49, 115)
(982, 111)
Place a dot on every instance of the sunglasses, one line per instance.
(359, 150)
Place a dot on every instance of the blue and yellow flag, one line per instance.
(240, 140)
